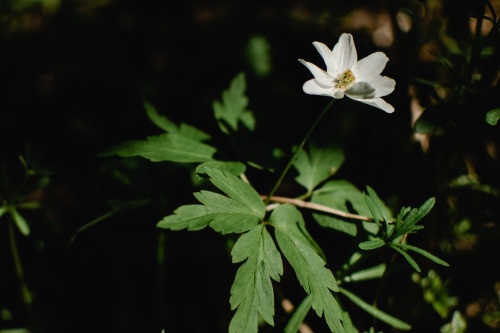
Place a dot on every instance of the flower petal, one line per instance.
(327, 56)
(361, 90)
(373, 64)
(376, 102)
(338, 93)
(312, 87)
(344, 53)
(320, 75)
(383, 85)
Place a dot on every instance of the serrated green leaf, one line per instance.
(371, 244)
(167, 125)
(252, 291)
(375, 312)
(227, 215)
(492, 116)
(239, 212)
(164, 147)
(407, 219)
(405, 255)
(424, 253)
(381, 211)
(232, 109)
(317, 165)
(342, 195)
(159, 120)
(299, 315)
(21, 223)
(192, 132)
(191, 217)
(238, 190)
(248, 120)
(235, 168)
(317, 280)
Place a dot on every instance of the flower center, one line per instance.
(345, 80)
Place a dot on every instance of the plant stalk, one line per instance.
(297, 151)
(23, 287)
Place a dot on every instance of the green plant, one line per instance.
(270, 229)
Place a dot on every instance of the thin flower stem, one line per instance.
(297, 151)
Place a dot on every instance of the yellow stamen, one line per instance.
(345, 80)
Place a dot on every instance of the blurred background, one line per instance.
(74, 75)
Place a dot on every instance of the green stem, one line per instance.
(25, 294)
(349, 267)
(297, 151)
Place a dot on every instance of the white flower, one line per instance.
(345, 75)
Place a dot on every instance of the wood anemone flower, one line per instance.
(345, 75)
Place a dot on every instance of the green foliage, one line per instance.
(408, 258)
(378, 210)
(259, 55)
(372, 244)
(239, 212)
(408, 218)
(17, 197)
(165, 147)
(317, 165)
(317, 280)
(181, 144)
(375, 312)
(457, 324)
(116, 206)
(252, 291)
(21, 223)
(374, 272)
(436, 293)
(343, 195)
(168, 126)
(299, 315)
(406, 223)
(325, 227)
(348, 325)
(235, 168)
(426, 254)
(159, 120)
(232, 111)
(237, 208)
(492, 116)
(431, 120)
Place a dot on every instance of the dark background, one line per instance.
(74, 78)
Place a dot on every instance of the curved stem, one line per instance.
(297, 151)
